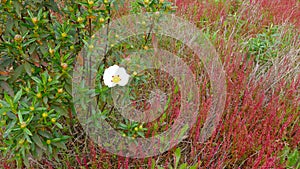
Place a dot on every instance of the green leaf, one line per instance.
(153, 164)
(177, 156)
(27, 131)
(123, 126)
(3, 109)
(59, 125)
(9, 24)
(44, 77)
(25, 158)
(17, 73)
(50, 149)
(183, 166)
(32, 49)
(60, 110)
(17, 7)
(54, 6)
(59, 145)
(20, 117)
(293, 158)
(9, 128)
(7, 88)
(30, 118)
(8, 100)
(18, 96)
(44, 134)
(284, 154)
(3, 78)
(43, 49)
(37, 140)
(27, 67)
(141, 134)
(194, 166)
(68, 88)
(37, 80)
(3, 148)
(29, 13)
(38, 153)
(65, 137)
(141, 4)
(27, 138)
(11, 115)
(40, 13)
(5, 62)
(45, 100)
(41, 109)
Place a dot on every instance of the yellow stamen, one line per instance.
(116, 79)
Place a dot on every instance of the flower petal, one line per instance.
(112, 69)
(123, 75)
(108, 82)
(108, 73)
(111, 84)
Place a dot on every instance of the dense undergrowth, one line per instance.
(258, 43)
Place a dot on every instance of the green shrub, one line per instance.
(39, 41)
(270, 44)
(291, 158)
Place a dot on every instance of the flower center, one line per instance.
(116, 79)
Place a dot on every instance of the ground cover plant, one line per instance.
(258, 42)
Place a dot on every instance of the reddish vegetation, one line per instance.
(258, 121)
(275, 11)
(260, 113)
(280, 11)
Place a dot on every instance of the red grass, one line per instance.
(257, 120)
(281, 11)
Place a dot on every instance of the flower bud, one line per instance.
(48, 142)
(31, 108)
(90, 2)
(72, 47)
(146, 47)
(18, 38)
(91, 47)
(21, 141)
(101, 20)
(51, 51)
(27, 89)
(53, 120)
(64, 66)
(45, 115)
(34, 20)
(64, 34)
(60, 91)
(23, 125)
(39, 95)
(50, 79)
(146, 2)
(80, 19)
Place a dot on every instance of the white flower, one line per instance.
(115, 75)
